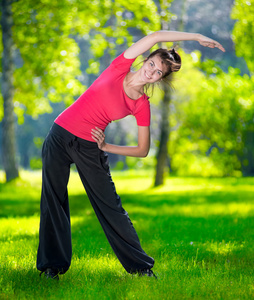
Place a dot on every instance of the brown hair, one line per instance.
(168, 57)
(173, 62)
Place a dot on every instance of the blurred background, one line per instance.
(202, 124)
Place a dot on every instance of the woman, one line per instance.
(77, 136)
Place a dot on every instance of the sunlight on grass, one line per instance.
(194, 210)
(223, 247)
(128, 183)
(12, 227)
(100, 264)
(194, 184)
(240, 209)
(199, 230)
(2, 176)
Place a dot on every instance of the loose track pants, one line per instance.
(60, 150)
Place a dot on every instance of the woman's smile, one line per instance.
(147, 76)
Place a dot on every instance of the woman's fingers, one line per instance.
(99, 136)
(217, 45)
(207, 42)
(98, 133)
(221, 47)
(213, 45)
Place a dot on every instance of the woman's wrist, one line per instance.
(175, 36)
(197, 37)
(104, 147)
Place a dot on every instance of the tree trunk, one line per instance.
(8, 134)
(162, 154)
(247, 158)
(163, 159)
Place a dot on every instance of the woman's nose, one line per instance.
(151, 71)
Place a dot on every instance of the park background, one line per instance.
(193, 193)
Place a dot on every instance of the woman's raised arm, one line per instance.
(150, 40)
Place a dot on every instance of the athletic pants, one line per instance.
(60, 150)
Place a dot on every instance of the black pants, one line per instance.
(60, 150)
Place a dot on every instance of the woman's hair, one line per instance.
(170, 58)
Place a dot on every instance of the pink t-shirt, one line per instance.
(103, 102)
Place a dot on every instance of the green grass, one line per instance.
(200, 232)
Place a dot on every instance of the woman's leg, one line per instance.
(55, 234)
(95, 175)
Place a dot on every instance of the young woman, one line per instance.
(77, 136)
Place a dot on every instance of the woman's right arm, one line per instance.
(141, 150)
(150, 40)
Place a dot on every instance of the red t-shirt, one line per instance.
(103, 102)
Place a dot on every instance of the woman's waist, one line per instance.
(68, 134)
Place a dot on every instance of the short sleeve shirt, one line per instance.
(105, 101)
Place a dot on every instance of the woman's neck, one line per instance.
(132, 81)
(132, 86)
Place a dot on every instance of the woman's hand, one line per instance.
(141, 150)
(207, 42)
(99, 136)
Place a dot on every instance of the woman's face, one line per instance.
(153, 69)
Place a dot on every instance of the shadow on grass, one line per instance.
(186, 247)
(190, 197)
(204, 235)
(18, 202)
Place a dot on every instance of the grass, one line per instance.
(199, 230)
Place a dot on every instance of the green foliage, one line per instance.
(210, 118)
(136, 163)
(199, 232)
(122, 16)
(38, 142)
(35, 163)
(45, 35)
(243, 12)
(48, 54)
(211, 112)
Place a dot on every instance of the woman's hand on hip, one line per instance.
(99, 136)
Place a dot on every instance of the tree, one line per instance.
(210, 120)
(162, 157)
(9, 161)
(243, 32)
(46, 57)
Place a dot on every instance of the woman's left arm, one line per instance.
(141, 150)
(150, 40)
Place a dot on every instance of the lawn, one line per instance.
(199, 231)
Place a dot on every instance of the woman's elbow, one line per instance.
(144, 153)
(155, 36)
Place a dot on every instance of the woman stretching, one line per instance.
(77, 136)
